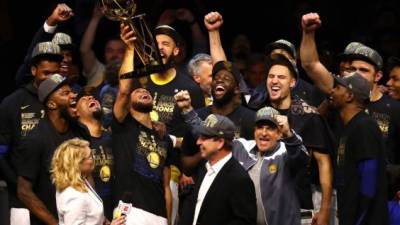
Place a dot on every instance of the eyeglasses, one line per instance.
(91, 156)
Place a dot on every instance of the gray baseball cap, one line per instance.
(217, 126)
(47, 48)
(267, 115)
(369, 55)
(63, 40)
(282, 44)
(51, 84)
(357, 84)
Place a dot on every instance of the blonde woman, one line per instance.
(77, 202)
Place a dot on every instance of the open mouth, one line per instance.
(64, 68)
(219, 90)
(145, 97)
(264, 140)
(72, 103)
(275, 90)
(94, 104)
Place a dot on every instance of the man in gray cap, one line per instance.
(363, 60)
(20, 113)
(272, 160)
(34, 186)
(212, 202)
(276, 149)
(361, 180)
(60, 14)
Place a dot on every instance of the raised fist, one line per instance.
(310, 22)
(213, 21)
(61, 13)
(183, 101)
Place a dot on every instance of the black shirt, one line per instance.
(361, 140)
(165, 110)
(140, 156)
(393, 140)
(103, 174)
(386, 113)
(34, 159)
(20, 112)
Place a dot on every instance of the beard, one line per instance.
(66, 114)
(142, 107)
(98, 114)
(226, 98)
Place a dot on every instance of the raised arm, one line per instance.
(121, 106)
(213, 21)
(309, 55)
(60, 14)
(88, 56)
(198, 38)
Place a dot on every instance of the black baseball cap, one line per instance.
(228, 66)
(282, 44)
(357, 84)
(171, 32)
(50, 85)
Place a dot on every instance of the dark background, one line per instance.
(375, 23)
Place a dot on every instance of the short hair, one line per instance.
(35, 61)
(228, 145)
(281, 60)
(392, 62)
(65, 165)
(194, 63)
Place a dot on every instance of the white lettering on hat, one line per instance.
(211, 121)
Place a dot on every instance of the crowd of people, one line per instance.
(276, 138)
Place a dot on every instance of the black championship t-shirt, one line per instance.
(140, 156)
(20, 112)
(317, 136)
(103, 174)
(361, 140)
(386, 113)
(164, 107)
(34, 157)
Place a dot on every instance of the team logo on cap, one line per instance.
(211, 121)
(57, 78)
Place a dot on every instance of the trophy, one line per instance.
(145, 46)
